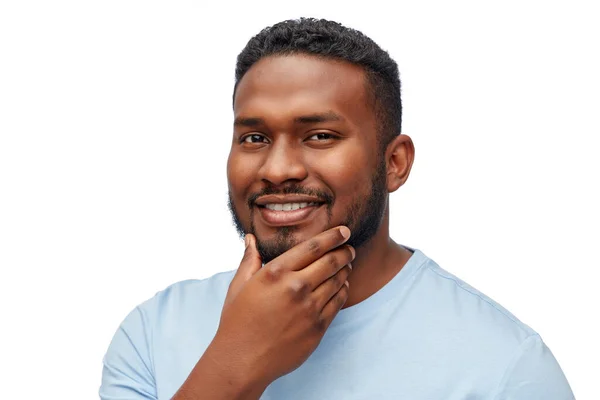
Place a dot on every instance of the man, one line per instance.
(324, 304)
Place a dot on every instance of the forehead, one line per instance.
(286, 86)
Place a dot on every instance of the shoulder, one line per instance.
(533, 373)
(212, 285)
(185, 312)
(470, 307)
(471, 331)
(189, 295)
(190, 305)
(460, 324)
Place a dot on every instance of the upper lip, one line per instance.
(288, 198)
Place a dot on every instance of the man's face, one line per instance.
(304, 156)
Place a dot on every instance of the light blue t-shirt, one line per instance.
(424, 335)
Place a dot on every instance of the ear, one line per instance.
(399, 155)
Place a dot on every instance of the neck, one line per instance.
(375, 264)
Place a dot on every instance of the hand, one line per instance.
(274, 317)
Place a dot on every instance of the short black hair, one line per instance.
(329, 39)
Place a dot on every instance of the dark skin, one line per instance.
(309, 122)
(279, 90)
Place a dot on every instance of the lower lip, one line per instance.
(287, 218)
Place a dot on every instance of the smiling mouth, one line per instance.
(288, 214)
(289, 206)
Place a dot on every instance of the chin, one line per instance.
(274, 244)
(293, 234)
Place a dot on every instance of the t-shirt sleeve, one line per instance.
(128, 372)
(534, 374)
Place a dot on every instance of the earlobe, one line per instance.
(400, 155)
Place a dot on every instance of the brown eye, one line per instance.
(321, 137)
(254, 138)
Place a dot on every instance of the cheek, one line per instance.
(347, 174)
(240, 172)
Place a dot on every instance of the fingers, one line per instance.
(328, 289)
(326, 267)
(333, 306)
(310, 250)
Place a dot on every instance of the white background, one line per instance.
(115, 123)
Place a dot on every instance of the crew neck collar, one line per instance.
(389, 291)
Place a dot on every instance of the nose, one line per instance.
(283, 163)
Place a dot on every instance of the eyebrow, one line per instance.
(316, 118)
(248, 122)
(253, 122)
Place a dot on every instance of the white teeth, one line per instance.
(288, 206)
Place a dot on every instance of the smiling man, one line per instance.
(324, 304)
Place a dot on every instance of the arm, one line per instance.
(214, 380)
(272, 320)
(533, 374)
(127, 371)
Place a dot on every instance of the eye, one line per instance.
(253, 138)
(320, 137)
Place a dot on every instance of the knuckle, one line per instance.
(311, 308)
(339, 279)
(320, 324)
(314, 246)
(298, 289)
(332, 261)
(273, 273)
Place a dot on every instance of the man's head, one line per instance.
(317, 116)
(331, 40)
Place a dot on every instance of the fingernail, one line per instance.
(347, 284)
(345, 232)
(350, 266)
(246, 241)
(353, 252)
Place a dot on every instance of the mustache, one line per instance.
(322, 195)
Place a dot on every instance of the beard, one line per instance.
(363, 216)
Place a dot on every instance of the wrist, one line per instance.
(232, 369)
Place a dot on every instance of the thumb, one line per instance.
(251, 262)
